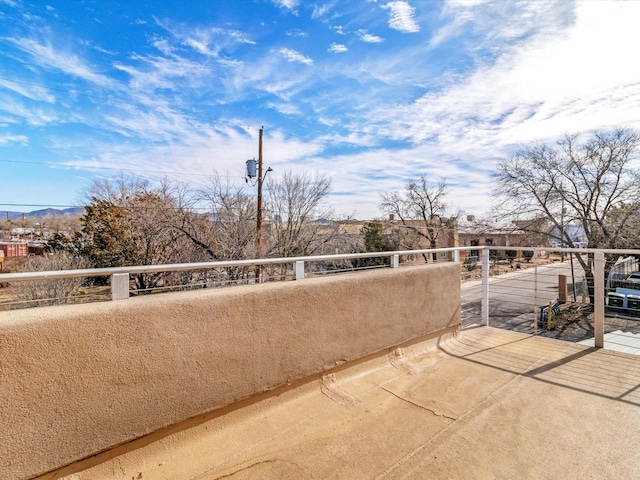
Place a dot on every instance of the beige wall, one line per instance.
(76, 380)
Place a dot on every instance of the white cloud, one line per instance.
(33, 116)
(161, 72)
(290, 4)
(402, 17)
(320, 11)
(285, 108)
(34, 92)
(540, 87)
(560, 80)
(294, 56)
(367, 37)
(465, 3)
(198, 155)
(337, 48)
(46, 55)
(448, 31)
(521, 71)
(296, 32)
(339, 29)
(206, 41)
(7, 139)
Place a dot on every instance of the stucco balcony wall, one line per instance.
(77, 380)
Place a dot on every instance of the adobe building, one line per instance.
(473, 233)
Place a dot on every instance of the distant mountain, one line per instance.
(47, 212)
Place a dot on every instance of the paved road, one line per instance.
(515, 293)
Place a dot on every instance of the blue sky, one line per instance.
(370, 93)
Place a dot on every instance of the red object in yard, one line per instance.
(14, 249)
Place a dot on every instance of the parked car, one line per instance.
(634, 277)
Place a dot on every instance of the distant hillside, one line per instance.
(47, 212)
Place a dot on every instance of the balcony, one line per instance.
(488, 403)
(363, 375)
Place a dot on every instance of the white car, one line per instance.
(634, 277)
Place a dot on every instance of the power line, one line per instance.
(118, 169)
(134, 207)
(37, 205)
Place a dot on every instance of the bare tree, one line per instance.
(54, 291)
(300, 223)
(227, 231)
(115, 189)
(231, 217)
(591, 185)
(425, 203)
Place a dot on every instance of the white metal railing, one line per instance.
(493, 291)
(174, 267)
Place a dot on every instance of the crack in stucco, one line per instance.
(247, 468)
(434, 412)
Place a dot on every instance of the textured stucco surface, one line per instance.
(77, 380)
(486, 404)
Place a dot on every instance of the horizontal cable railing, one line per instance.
(132, 270)
(40, 288)
(544, 291)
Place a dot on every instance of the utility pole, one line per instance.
(259, 215)
(250, 175)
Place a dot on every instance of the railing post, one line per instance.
(484, 305)
(598, 299)
(395, 260)
(298, 269)
(535, 293)
(456, 255)
(119, 286)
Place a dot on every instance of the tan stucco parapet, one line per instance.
(77, 380)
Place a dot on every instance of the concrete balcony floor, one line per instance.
(488, 403)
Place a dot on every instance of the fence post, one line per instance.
(484, 305)
(395, 260)
(119, 286)
(298, 270)
(598, 299)
(535, 293)
(456, 255)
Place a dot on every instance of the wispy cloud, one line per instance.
(294, 56)
(161, 72)
(34, 92)
(367, 37)
(459, 93)
(32, 115)
(48, 56)
(290, 4)
(206, 41)
(285, 108)
(321, 10)
(337, 48)
(402, 17)
(296, 32)
(533, 90)
(7, 139)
